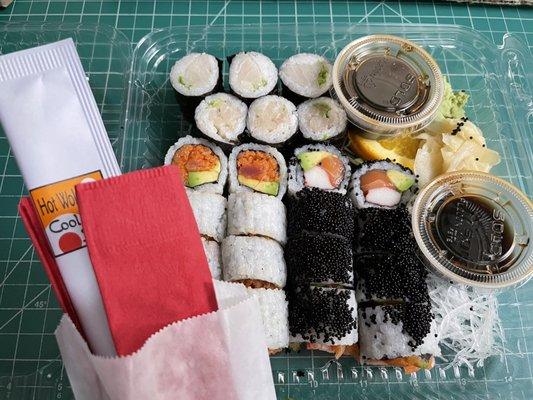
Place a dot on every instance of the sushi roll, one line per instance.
(318, 166)
(251, 213)
(398, 334)
(221, 117)
(386, 277)
(319, 259)
(212, 253)
(305, 75)
(203, 166)
(322, 119)
(210, 213)
(252, 75)
(325, 318)
(253, 260)
(318, 211)
(274, 314)
(193, 77)
(272, 120)
(382, 184)
(257, 168)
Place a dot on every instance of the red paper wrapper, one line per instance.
(146, 253)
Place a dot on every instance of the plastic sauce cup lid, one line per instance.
(387, 85)
(476, 229)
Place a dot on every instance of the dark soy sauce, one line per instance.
(474, 230)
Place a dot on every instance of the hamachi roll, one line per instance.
(194, 76)
(318, 211)
(251, 213)
(210, 213)
(398, 334)
(325, 318)
(221, 117)
(274, 314)
(272, 120)
(252, 75)
(257, 168)
(318, 166)
(203, 165)
(322, 119)
(212, 253)
(382, 184)
(253, 260)
(305, 75)
(319, 259)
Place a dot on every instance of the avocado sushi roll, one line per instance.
(210, 213)
(212, 254)
(322, 119)
(305, 75)
(193, 77)
(318, 166)
(257, 168)
(253, 260)
(383, 184)
(272, 120)
(251, 213)
(252, 75)
(221, 117)
(203, 165)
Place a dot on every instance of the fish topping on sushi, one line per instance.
(272, 119)
(258, 170)
(252, 75)
(196, 74)
(221, 117)
(198, 164)
(307, 75)
(321, 119)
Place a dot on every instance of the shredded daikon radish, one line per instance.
(468, 323)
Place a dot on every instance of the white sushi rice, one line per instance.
(296, 180)
(252, 75)
(253, 257)
(212, 253)
(235, 186)
(210, 213)
(275, 315)
(321, 119)
(386, 340)
(221, 117)
(272, 119)
(214, 187)
(306, 74)
(196, 74)
(350, 338)
(257, 214)
(356, 194)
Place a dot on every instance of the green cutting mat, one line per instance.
(30, 365)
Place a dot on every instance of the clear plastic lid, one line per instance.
(387, 85)
(475, 228)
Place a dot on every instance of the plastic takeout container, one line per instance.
(501, 103)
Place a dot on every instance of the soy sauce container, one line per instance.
(387, 85)
(475, 228)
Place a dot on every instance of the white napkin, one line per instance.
(220, 355)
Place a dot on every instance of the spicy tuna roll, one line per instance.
(272, 120)
(221, 117)
(384, 184)
(210, 213)
(251, 213)
(203, 166)
(252, 75)
(305, 75)
(257, 168)
(318, 166)
(253, 260)
(212, 254)
(322, 119)
(193, 77)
